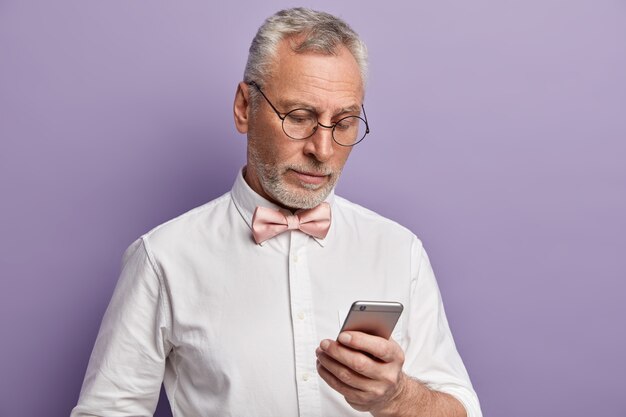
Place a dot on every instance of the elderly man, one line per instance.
(236, 305)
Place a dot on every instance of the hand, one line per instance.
(365, 369)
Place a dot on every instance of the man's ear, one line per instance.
(241, 107)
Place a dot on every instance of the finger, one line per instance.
(334, 382)
(343, 373)
(383, 349)
(356, 398)
(356, 360)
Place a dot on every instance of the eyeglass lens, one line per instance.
(302, 123)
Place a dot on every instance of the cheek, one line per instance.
(276, 147)
(341, 156)
(262, 140)
(274, 150)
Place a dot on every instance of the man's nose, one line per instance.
(321, 144)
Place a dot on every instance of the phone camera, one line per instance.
(362, 308)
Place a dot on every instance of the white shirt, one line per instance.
(231, 327)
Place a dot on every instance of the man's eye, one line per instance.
(346, 124)
(300, 117)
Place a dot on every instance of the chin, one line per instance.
(300, 200)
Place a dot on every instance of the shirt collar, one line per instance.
(246, 200)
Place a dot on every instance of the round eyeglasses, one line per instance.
(301, 124)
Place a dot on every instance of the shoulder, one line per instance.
(360, 218)
(190, 225)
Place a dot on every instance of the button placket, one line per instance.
(304, 332)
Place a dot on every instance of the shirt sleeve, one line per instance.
(127, 364)
(431, 356)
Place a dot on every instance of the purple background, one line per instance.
(498, 136)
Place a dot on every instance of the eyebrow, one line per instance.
(295, 104)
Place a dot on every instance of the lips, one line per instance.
(310, 177)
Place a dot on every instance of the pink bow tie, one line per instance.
(267, 222)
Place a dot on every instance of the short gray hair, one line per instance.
(323, 33)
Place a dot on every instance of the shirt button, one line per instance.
(305, 376)
(301, 315)
(295, 259)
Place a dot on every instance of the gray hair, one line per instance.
(323, 33)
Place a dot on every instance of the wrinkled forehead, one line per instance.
(324, 72)
(299, 45)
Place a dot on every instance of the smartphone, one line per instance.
(377, 318)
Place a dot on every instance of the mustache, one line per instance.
(315, 168)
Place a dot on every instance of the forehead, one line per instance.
(315, 77)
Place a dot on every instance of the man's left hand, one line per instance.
(365, 369)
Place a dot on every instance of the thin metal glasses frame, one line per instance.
(283, 116)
